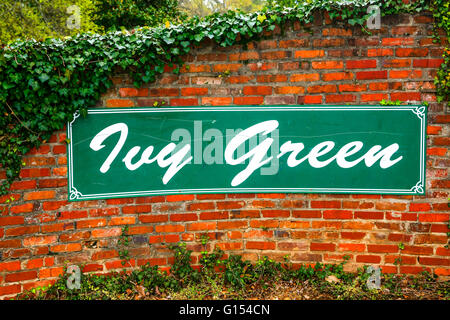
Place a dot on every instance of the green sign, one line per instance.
(294, 149)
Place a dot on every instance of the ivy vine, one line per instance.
(441, 14)
(42, 83)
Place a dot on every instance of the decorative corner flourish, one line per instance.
(75, 194)
(419, 111)
(418, 188)
(75, 116)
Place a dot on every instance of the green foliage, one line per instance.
(441, 14)
(390, 103)
(40, 19)
(203, 8)
(181, 267)
(234, 275)
(124, 242)
(129, 14)
(43, 83)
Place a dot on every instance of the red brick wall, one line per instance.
(336, 64)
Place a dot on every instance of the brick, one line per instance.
(433, 217)
(405, 74)
(427, 63)
(7, 221)
(419, 207)
(337, 214)
(275, 213)
(39, 195)
(327, 65)
(23, 185)
(373, 97)
(340, 98)
(442, 119)
(417, 250)
(369, 215)
(16, 243)
(214, 215)
(397, 41)
(53, 205)
(289, 90)
(396, 206)
(133, 92)
(194, 91)
(304, 54)
(352, 87)
(411, 52)
(267, 44)
(21, 276)
(380, 52)
(353, 235)
(378, 86)
(194, 68)
(136, 209)
(293, 43)
(52, 183)
(326, 204)
(280, 100)
(360, 64)
(371, 75)
(257, 90)
(115, 221)
(212, 57)
(106, 233)
(200, 226)
(353, 247)
(10, 266)
(183, 217)
(22, 230)
(306, 214)
(10, 289)
(271, 78)
(260, 66)
(275, 55)
(260, 245)
(437, 152)
(441, 141)
(315, 246)
(232, 225)
(230, 205)
(22, 208)
(337, 76)
(382, 248)
(368, 259)
(328, 42)
(177, 102)
(119, 103)
(305, 77)
(242, 56)
(216, 101)
(35, 173)
(248, 100)
(322, 89)
(286, 66)
(232, 67)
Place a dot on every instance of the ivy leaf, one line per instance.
(44, 77)
(168, 40)
(261, 18)
(198, 37)
(185, 43)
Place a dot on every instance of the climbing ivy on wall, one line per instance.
(441, 13)
(42, 83)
